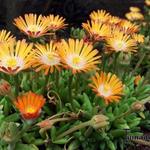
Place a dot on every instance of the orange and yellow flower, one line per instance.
(134, 16)
(139, 38)
(107, 86)
(78, 55)
(137, 80)
(100, 16)
(113, 20)
(6, 36)
(147, 2)
(121, 42)
(55, 22)
(46, 57)
(134, 9)
(32, 25)
(128, 27)
(15, 57)
(97, 31)
(29, 105)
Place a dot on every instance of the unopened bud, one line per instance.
(137, 79)
(137, 106)
(124, 58)
(99, 121)
(5, 87)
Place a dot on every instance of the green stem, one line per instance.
(70, 88)
(46, 81)
(16, 79)
(77, 127)
(57, 79)
(115, 61)
(139, 63)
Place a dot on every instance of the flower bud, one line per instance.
(5, 87)
(99, 121)
(124, 58)
(137, 106)
(137, 79)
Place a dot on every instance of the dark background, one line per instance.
(75, 11)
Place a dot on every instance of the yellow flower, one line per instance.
(134, 16)
(97, 31)
(113, 20)
(46, 57)
(78, 56)
(135, 9)
(128, 27)
(139, 38)
(32, 25)
(29, 105)
(99, 16)
(55, 22)
(6, 36)
(15, 57)
(120, 42)
(147, 2)
(107, 86)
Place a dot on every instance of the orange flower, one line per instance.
(32, 25)
(30, 105)
(107, 86)
(46, 57)
(147, 2)
(55, 22)
(97, 31)
(78, 56)
(134, 16)
(135, 9)
(139, 38)
(100, 16)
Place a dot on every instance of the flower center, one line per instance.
(30, 110)
(76, 60)
(33, 28)
(120, 45)
(50, 59)
(12, 62)
(105, 90)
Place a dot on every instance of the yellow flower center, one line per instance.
(33, 28)
(105, 90)
(12, 62)
(120, 45)
(76, 60)
(30, 110)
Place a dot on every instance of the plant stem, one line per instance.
(115, 61)
(46, 81)
(70, 88)
(77, 127)
(11, 146)
(139, 63)
(16, 79)
(57, 79)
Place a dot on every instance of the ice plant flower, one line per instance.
(139, 38)
(55, 22)
(78, 55)
(5, 87)
(137, 80)
(121, 42)
(107, 86)
(128, 27)
(15, 57)
(113, 20)
(46, 57)
(100, 16)
(29, 105)
(147, 2)
(135, 9)
(32, 25)
(134, 16)
(97, 31)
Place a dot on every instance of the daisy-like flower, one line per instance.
(6, 36)
(15, 57)
(137, 79)
(134, 16)
(32, 25)
(128, 27)
(120, 42)
(139, 38)
(113, 20)
(107, 86)
(147, 2)
(135, 9)
(29, 105)
(46, 57)
(97, 31)
(100, 16)
(55, 22)
(78, 56)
